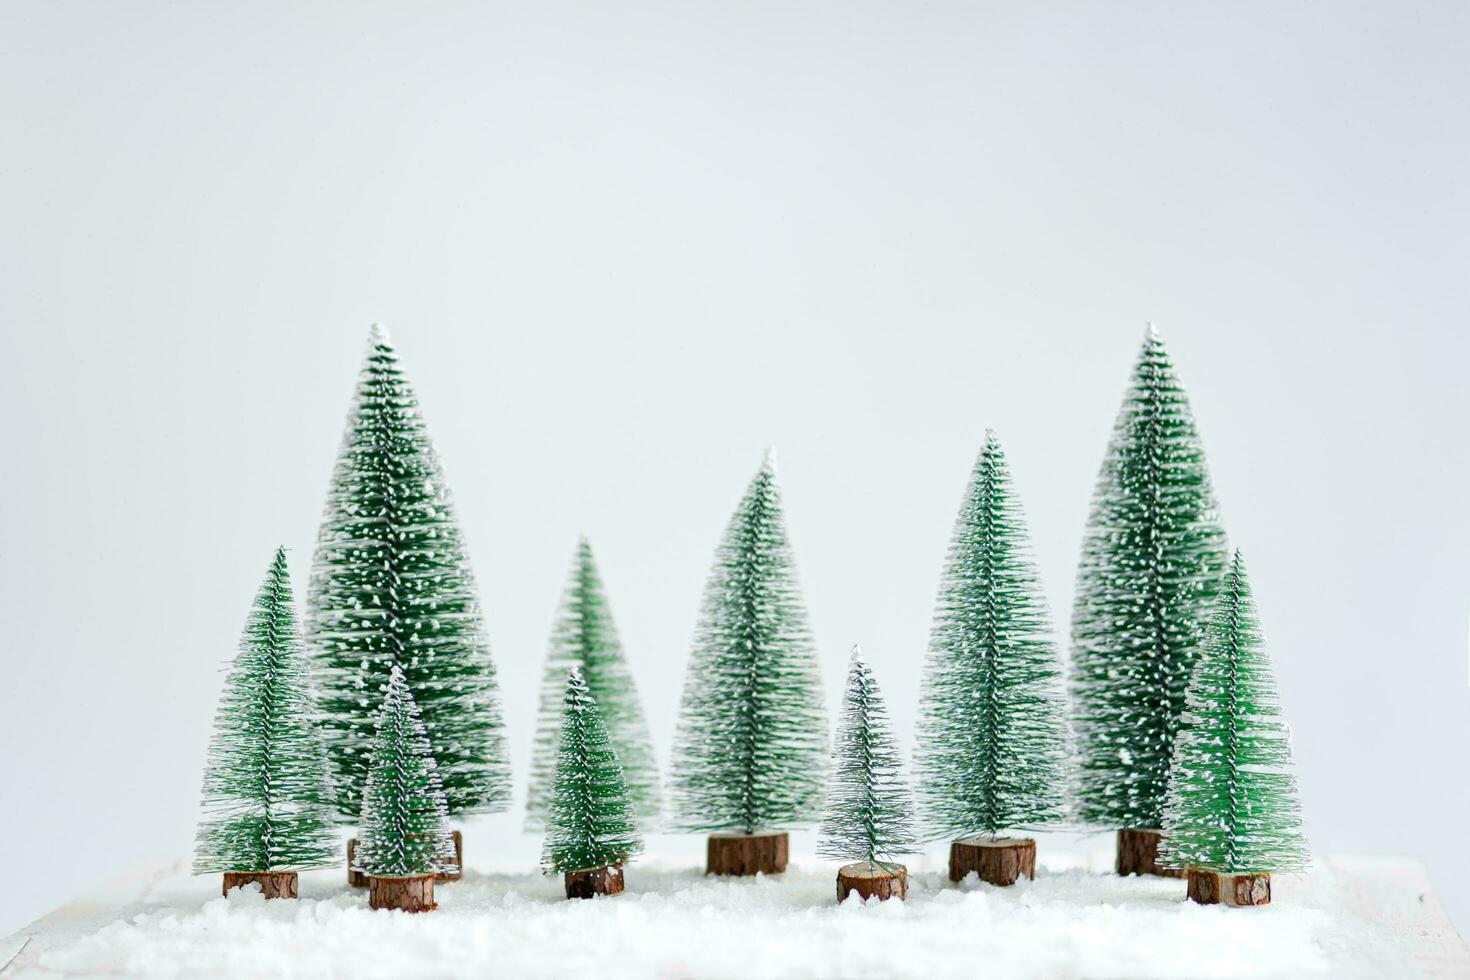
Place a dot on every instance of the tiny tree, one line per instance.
(584, 637)
(750, 750)
(1152, 562)
(391, 587)
(1232, 807)
(590, 821)
(869, 814)
(992, 729)
(268, 810)
(404, 812)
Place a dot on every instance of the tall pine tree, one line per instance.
(404, 810)
(266, 792)
(584, 637)
(992, 728)
(1152, 563)
(869, 815)
(590, 820)
(750, 750)
(1232, 803)
(391, 586)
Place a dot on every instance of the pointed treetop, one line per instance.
(378, 335)
(856, 656)
(768, 464)
(1151, 333)
(278, 566)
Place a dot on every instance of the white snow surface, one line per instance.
(1349, 917)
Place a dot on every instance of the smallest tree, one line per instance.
(403, 841)
(1231, 816)
(268, 810)
(869, 813)
(590, 824)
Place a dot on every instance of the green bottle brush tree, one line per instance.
(268, 806)
(1152, 562)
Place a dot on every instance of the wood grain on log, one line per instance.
(412, 893)
(355, 878)
(1209, 888)
(879, 881)
(763, 852)
(999, 860)
(606, 880)
(1138, 854)
(273, 884)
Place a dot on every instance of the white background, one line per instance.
(623, 247)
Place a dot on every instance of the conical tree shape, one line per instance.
(992, 726)
(266, 792)
(750, 750)
(590, 821)
(869, 814)
(404, 813)
(1152, 563)
(1232, 804)
(584, 637)
(391, 586)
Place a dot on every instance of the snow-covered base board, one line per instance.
(1351, 917)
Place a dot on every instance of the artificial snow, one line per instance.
(1347, 918)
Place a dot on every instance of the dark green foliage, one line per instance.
(751, 744)
(584, 637)
(266, 797)
(1232, 804)
(391, 586)
(403, 829)
(590, 818)
(992, 728)
(869, 814)
(1152, 562)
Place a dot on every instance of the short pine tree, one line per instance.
(266, 790)
(1152, 562)
(992, 727)
(391, 586)
(590, 820)
(584, 637)
(1232, 804)
(869, 814)
(404, 814)
(751, 744)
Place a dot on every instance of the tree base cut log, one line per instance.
(606, 880)
(1209, 888)
(412, 893)
(1138, 854)
(273, 884)
(999, 860)
(880, 881)
(357, 879)
(764, 852)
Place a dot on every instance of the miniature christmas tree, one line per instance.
(751, 741)
(404, 842)
(1231, 817)
(391, 587)
(1152, 562)
(590, 832)
(992, 729)
(869, 811)
(584, 637)
(268, 808)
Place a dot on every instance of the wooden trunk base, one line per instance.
(410, 894)
(273, 884)
(1138, 854)
(607, 880)
(1209, 888)
(1000, 861)
(881, 881)
(359, 880)
(764, 852)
